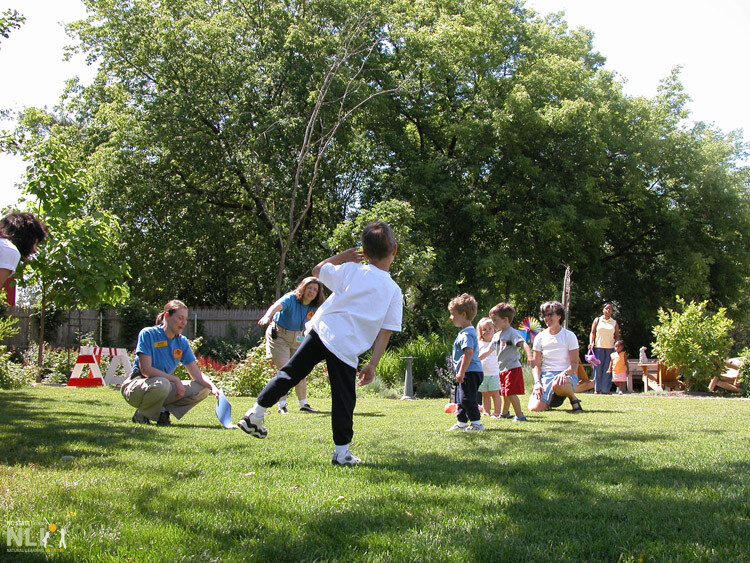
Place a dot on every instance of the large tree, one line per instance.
(10, 20)
(79, 265)
(240, 111)
(521, 155)
(232, 138)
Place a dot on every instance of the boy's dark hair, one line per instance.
(464, 304)
(554, 307)
(503, 310)
(378, 240)
(24, 231)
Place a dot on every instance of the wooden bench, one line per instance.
(728, 379)
(660, 378)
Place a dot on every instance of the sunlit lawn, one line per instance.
(635, 478)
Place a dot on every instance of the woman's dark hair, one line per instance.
(299, 292)
(378, 240)
(169, 308)
(554, 307)
(24, 231)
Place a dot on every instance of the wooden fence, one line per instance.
(229, 324)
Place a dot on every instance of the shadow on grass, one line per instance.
(553, 512)
(545, 511)
(532, 499)
(32, 431)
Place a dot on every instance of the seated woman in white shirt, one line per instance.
(19, 235)
(555, 362)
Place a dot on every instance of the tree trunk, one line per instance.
(40, 356)
(280, 272)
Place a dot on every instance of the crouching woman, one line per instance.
(152, 388)
(555, 362)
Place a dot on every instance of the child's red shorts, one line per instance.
(511, 382)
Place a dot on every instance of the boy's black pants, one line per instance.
(466, 396)
(340, 375)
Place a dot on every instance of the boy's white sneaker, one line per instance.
(475, 426)
(345, 459)
(253, 425)
(457, 426)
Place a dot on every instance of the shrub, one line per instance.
(429, 353)
(693, 341)
(13, 375)
(429, 390)
(225, 351)
(743, 378)
(56, 362)
(379, 388)
(248, 377)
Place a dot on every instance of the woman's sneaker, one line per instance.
(253, 425)
(475, 426)
(346, 459)
(521, 418)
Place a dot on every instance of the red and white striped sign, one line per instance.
(91, 356)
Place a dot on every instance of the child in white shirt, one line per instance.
(364, 308)
(490, 386)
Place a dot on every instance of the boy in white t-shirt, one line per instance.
(364, 308)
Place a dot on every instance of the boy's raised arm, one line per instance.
(348, 255)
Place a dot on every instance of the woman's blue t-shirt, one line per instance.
(467, 338)
(165, 353)
(294, 314)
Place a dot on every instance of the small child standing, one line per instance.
(506, 343)
(620, 367)
(490, 387)
(466, 363)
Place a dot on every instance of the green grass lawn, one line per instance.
(635, 478)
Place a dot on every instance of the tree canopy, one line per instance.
(232, 138)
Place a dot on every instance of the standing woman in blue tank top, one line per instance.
(286, 321)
